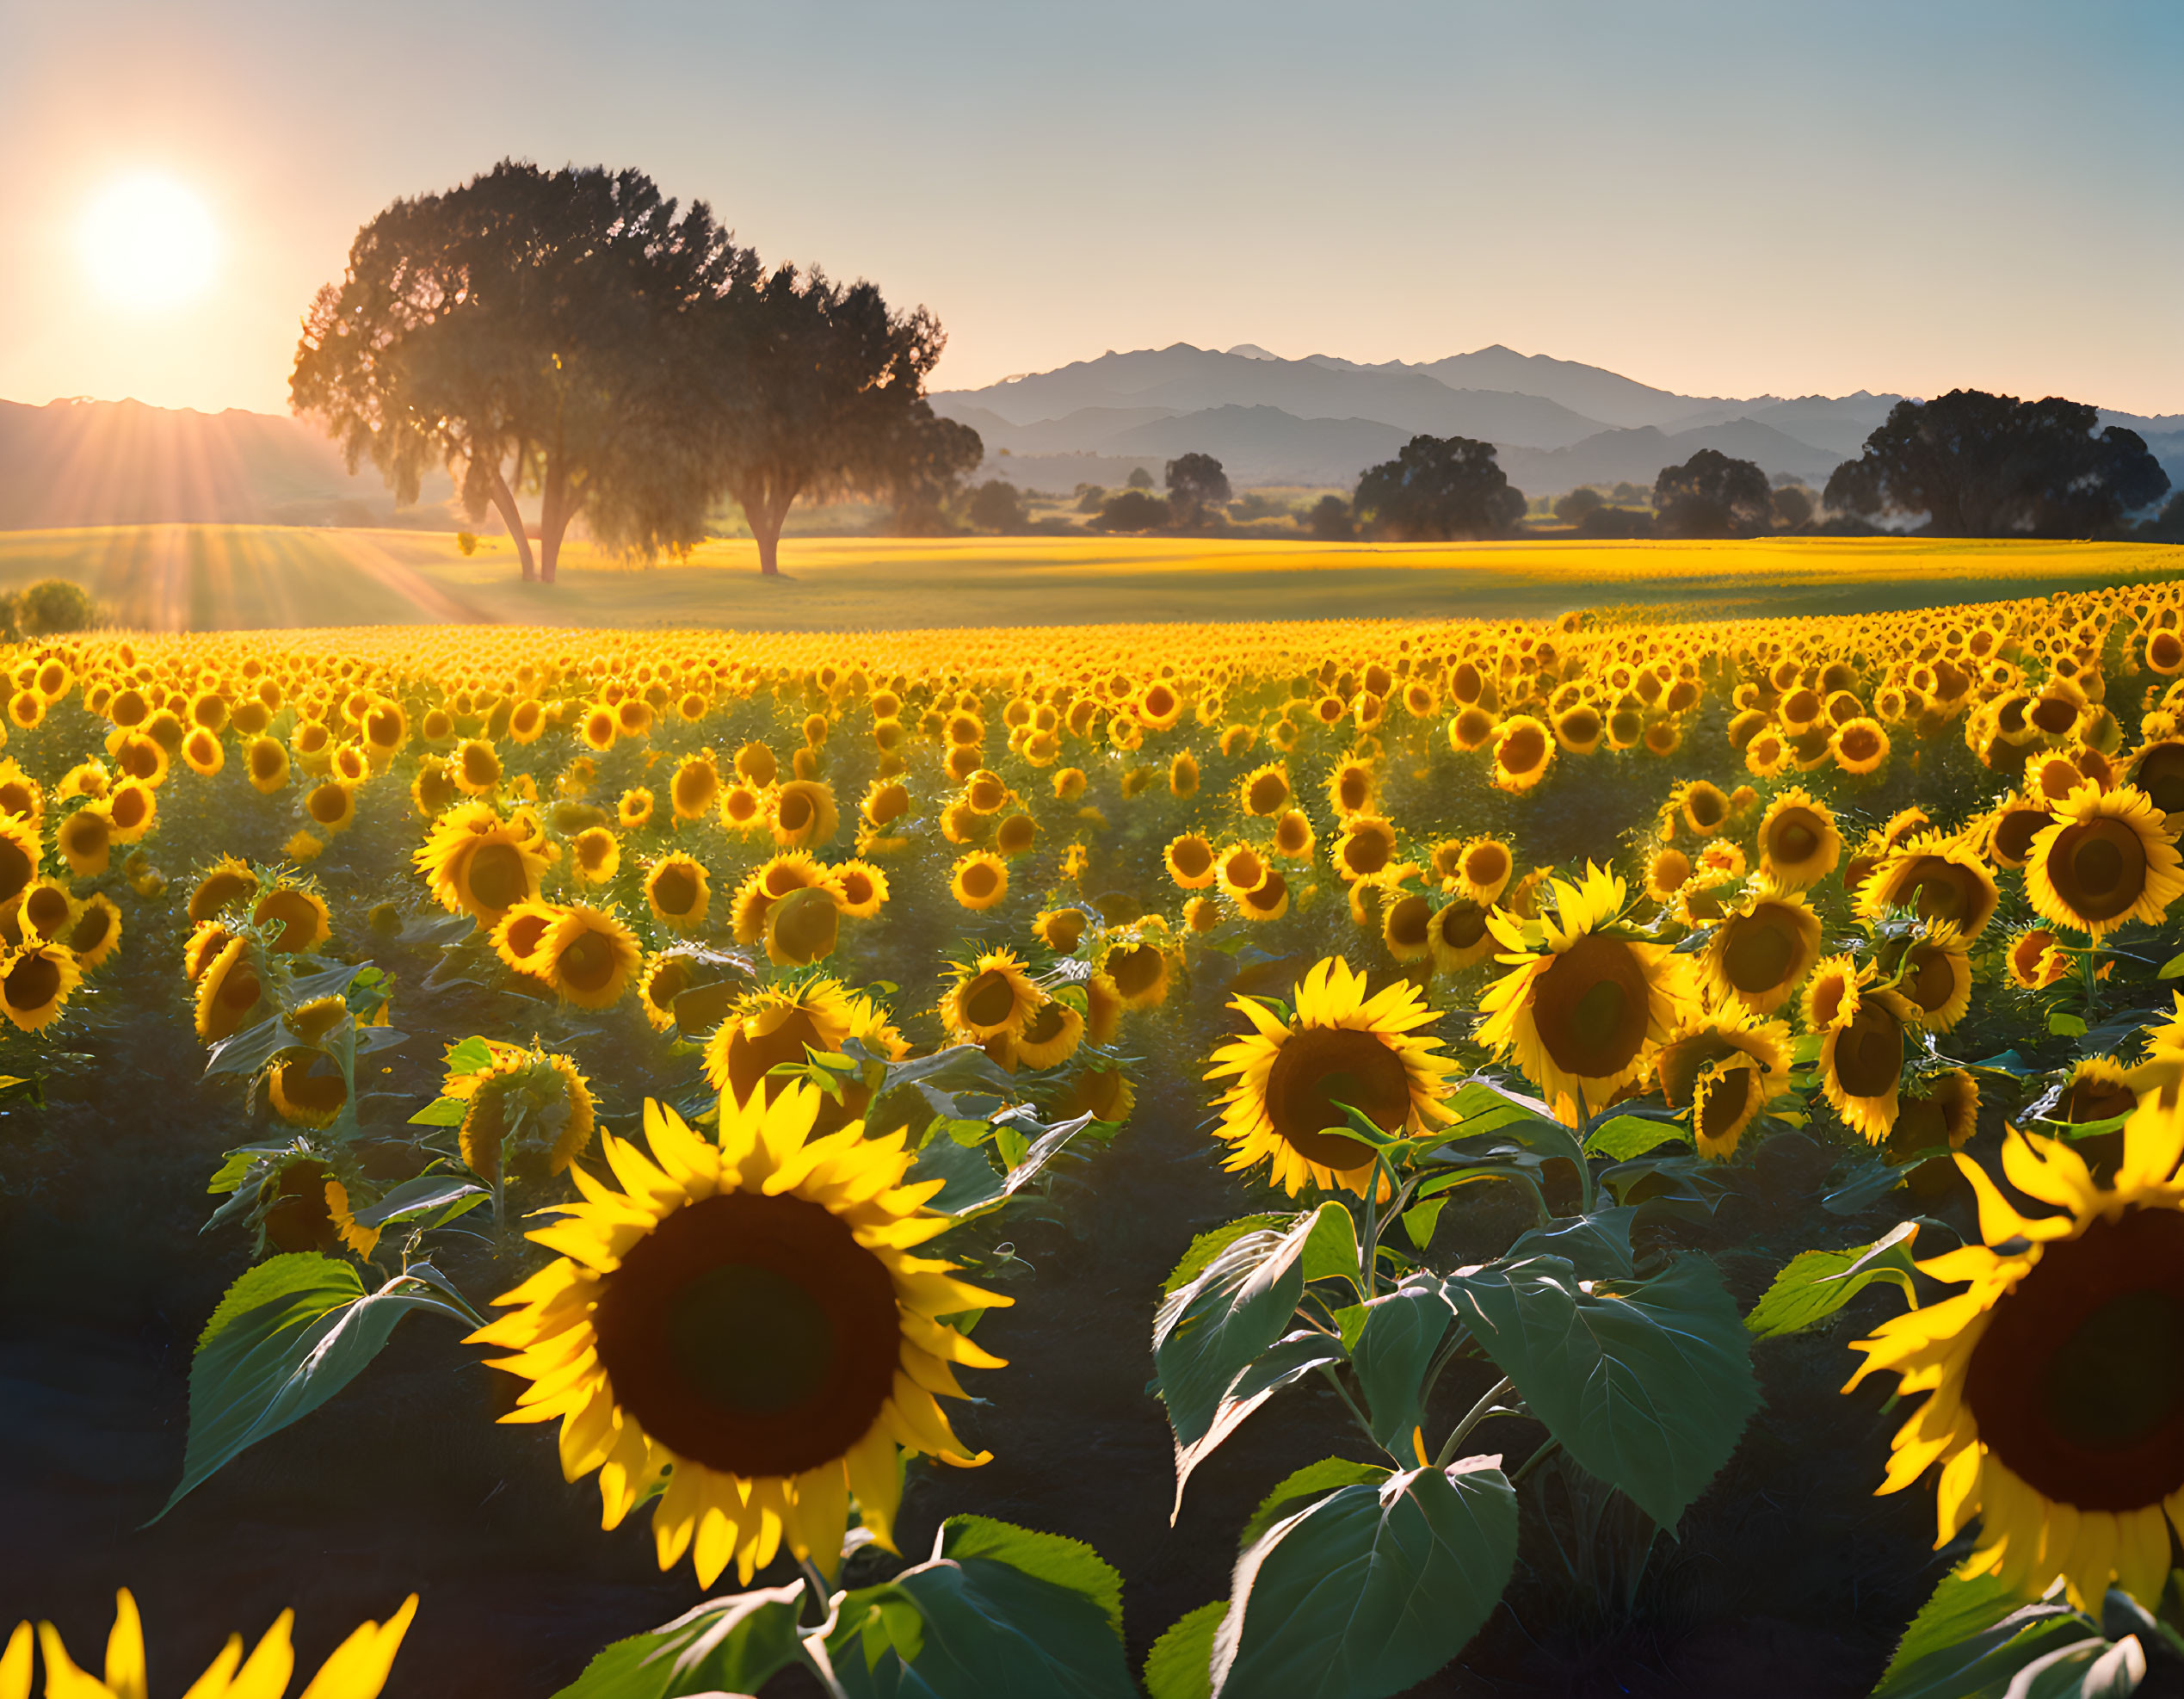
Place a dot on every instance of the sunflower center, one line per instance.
(1045, 1024)
(1759, 955)
(496, 879)
(34, 982)
(794, 812)
(1269, 792)
(675, 890)
(1136, 970)
(2098, 869)
(589, 961)
(2078, 1383)
(1869, 1052)
(990, 1000)
(1795, 842)
(2161, 775)
(1590, 1007)
(1317, 1067)
(751, 1334)
(1722, 1101)
(1463, 923)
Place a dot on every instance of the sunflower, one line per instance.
(1189, 860)
(1406, 927)
(804, 927)
(2106, 860)
(678, 893)
(35, 981)
(1945, 1112)
(1523, 750)
(803, 814)
(228, 991)
(330, 805)
(2056, 1405)
(1727, 1064)
(1582, 1017)
(1484, 867)
(1861, 1060)
(46, 912)
(1760, 953)
(478, 863)
(357, 1670)
(1667, 870)
(1938, 878)
(589, 956)
(765, 1029)
(1365, 848)
(1340, 1046)
(2035, 958)
(1048, 1037)
(1798, 843)
(1934, 973)
(1136, 967)
(531, 1106)
(302, 1206)
(298, 917)
(1860, 745)
(1458, 936)
(306, 1090)
(991, 997)
(862, 888)
(749, 1324)
(979, 880)
(85, 839)
(97, 931)
(1264, 792)
(1060, 930)
(1105, 1094)
(516, 939)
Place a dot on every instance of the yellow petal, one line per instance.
(124, 1676)
(14, 1664)
(359, 1667)
(875, 1470)
(819, 1515)
(265, 1672)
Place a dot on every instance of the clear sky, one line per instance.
(1721, 199)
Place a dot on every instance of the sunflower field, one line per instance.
(1426, 1130)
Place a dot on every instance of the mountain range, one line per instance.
(1322, 420)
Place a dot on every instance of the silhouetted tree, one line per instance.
(1991, 466)
(1132, 510)
(1629, 495)
(929, 465)
(1197, 490)
(1793, 506)
(2167, 526)
(1711, 495)
(1140, 479)
(808, 388)
(1438, 487)
(524, 330)
(1089, 497)
(997, 506)
(1329, 519)
(1576, 507)
(1616, 523)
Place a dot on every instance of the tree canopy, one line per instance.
(1437, 488)
(1130, 511)
(1196, 488)
(1712, 495)
(997, 506)
(525, 330)
(1991, 466)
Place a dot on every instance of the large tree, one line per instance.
(524, 329)
(1712, 495)
(1197, 486)
(810, 388)
(1991, 466)
(1439, 487)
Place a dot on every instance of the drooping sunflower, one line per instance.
(529, 1105)
(357, 1669)
(678, 892)
(229, 990)
(751, 1324)
(1341, 1046)
(479, 864)
(804, 926)
(990, 997)
(1862, 1061)
(765, 884)
(2055, 1377)
(298, 915)
(1760, 953)
(306, 1089)
(2105, 861)
(2035, 958)
(1938, 878)
(765, 1029)
(803, 814)
(589, 956)
(1727, 1064)
(1799, 842)
(1583, 1016)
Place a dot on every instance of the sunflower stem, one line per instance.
(1343, 1391)
(1525, 1469)
(1585, 1119)
(1478, 1413)
(2088, 965)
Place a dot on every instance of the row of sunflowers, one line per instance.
(763, 964)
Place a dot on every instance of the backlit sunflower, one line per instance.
(1938, 878)
(1523, 750)
(1583, 1016)
(764, 886)
(1935, 975)
(357, 1669)
(596, 855)
(97, 931)
(747, 1320)
(765, 1029)
(1830, 995)
(478, 863)
(228, 991)
(861, 887)
(678, 893)
(1457, 936)
(529, 1105)
(1862, 1061)
(1727, 1064)
(2056, 1378)
(1484, 867)
(1760, 953)
(979, 880)
(804, 926)
(2035, 960)
(1138, 967)
(35, 981)
(1798, 843)
(589, 956)
(297, 918)
(1264, 791)
(2105, 861)
(1340, 1046)
(85, 839)
(803, 814)
(991, 998)
(1189, 861)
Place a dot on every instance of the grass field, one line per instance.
(232, 577)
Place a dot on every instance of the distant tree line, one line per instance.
(568, 336)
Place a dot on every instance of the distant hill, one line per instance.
(125, 463)
(1637, 456)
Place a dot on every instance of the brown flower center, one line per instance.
(1317, 1067)
(1591, 1007)
(2099, 868)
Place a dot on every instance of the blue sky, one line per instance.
(1718, 198)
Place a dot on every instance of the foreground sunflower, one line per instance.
(2057, 1377)
(357, 1670)
(746, 1321)
(2106, 859)
(1341, 1046)
(1583, 1017)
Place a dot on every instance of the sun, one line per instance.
(149, 244)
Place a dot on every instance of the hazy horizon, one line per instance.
(1706, 198)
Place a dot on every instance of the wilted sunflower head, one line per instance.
(2056, 1375)
(528, 1108)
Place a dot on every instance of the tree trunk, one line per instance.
(767, 509)
(504, 505)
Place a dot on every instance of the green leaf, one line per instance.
(1180, 1664)
(2066, 1026)
(1331, 1249)
(2171, 969)
(1313, 1481)
(1629, 1135)
(1206, 1331)
(1598, 1246)
(442, 1112)
(1815, 1284)
(1970, 1641)
(287, 1336)
(1214, 1240)
(1402, 1332)
(1370, 1589)
(416, 1197)
(469, 1056)
(1648, 1386)
(1420, 1222)
(973, 1184)
(732, 1645)
(1872, 1178)
(1958, 1607)
(1288, 1359)
(995, 1610)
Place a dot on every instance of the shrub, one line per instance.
(55, 605)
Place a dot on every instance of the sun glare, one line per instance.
(149, 244)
